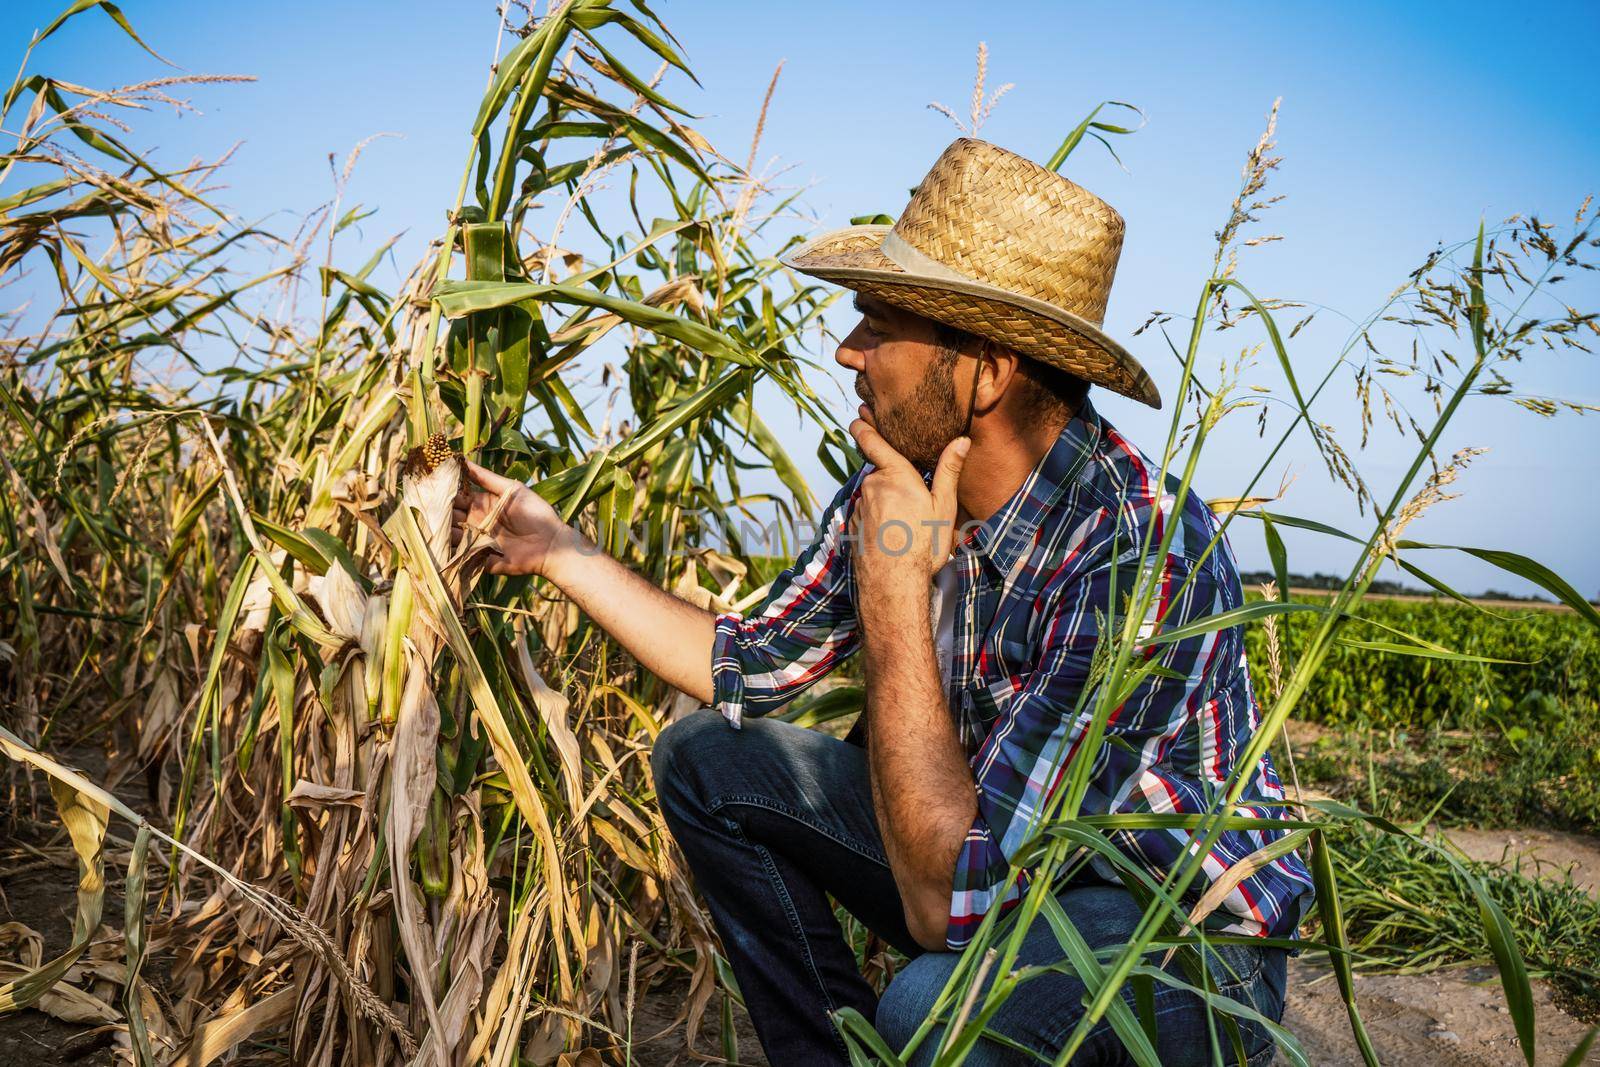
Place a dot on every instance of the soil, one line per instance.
(1454, 1017)
(1550, 853)
(658, 1043)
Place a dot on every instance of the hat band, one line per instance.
(912, 260)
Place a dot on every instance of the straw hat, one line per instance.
(1001, 247)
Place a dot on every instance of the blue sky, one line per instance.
(1401, 126)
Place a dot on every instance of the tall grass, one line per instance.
(1406, 909)
(404, 808)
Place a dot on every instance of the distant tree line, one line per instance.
(1380, 587)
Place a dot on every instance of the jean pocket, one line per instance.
(1248, 979)
(1236, 969)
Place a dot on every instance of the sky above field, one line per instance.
(1401, 127)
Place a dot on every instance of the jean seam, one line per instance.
(1244, 992)
(768, 804)
(794, 925)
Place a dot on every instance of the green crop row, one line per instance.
(1551, 673)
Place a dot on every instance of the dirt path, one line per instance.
(1455, 1017)
(1542, 853)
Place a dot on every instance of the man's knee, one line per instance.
(906, 1004)
(677, 749)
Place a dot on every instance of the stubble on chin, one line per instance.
(922, 425)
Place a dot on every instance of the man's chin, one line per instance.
(917, 459)
(925, 463)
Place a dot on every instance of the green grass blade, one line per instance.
(1259, 609)
(1527, 569)
(111, 10)
(858, 1031)
(1092, 974)
(1580, 1052)
(1333, 932)
(1513, 971)
(1397, 648)
(1288, 1044)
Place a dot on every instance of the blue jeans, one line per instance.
(774, 819)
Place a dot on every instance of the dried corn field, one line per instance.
(403, 806)
(364, 802)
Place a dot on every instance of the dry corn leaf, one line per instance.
(626, 850)
(412, 773)
(431, 590)
(85, 817)
(63, 1001)
(552, 707)
(221, 1034)
(1219, 889)
(309, 795)
(23, 941)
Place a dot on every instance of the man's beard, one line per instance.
(924, 423)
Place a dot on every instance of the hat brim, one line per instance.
(853, 257)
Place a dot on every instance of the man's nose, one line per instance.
(849, 356)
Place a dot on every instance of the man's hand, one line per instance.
(526, 530)
(903, 530)
(669, 636)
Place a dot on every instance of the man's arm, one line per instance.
(669, 636)
(754, 664)
(922, 789)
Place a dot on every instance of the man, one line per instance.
(996, 524)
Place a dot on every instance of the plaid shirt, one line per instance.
(1036, 580)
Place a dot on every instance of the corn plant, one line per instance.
(396, 838)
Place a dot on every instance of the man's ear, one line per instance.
(998, 366)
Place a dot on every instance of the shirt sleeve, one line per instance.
(806, 627)
(1023, 760)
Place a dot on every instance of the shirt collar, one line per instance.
(1005, 534)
